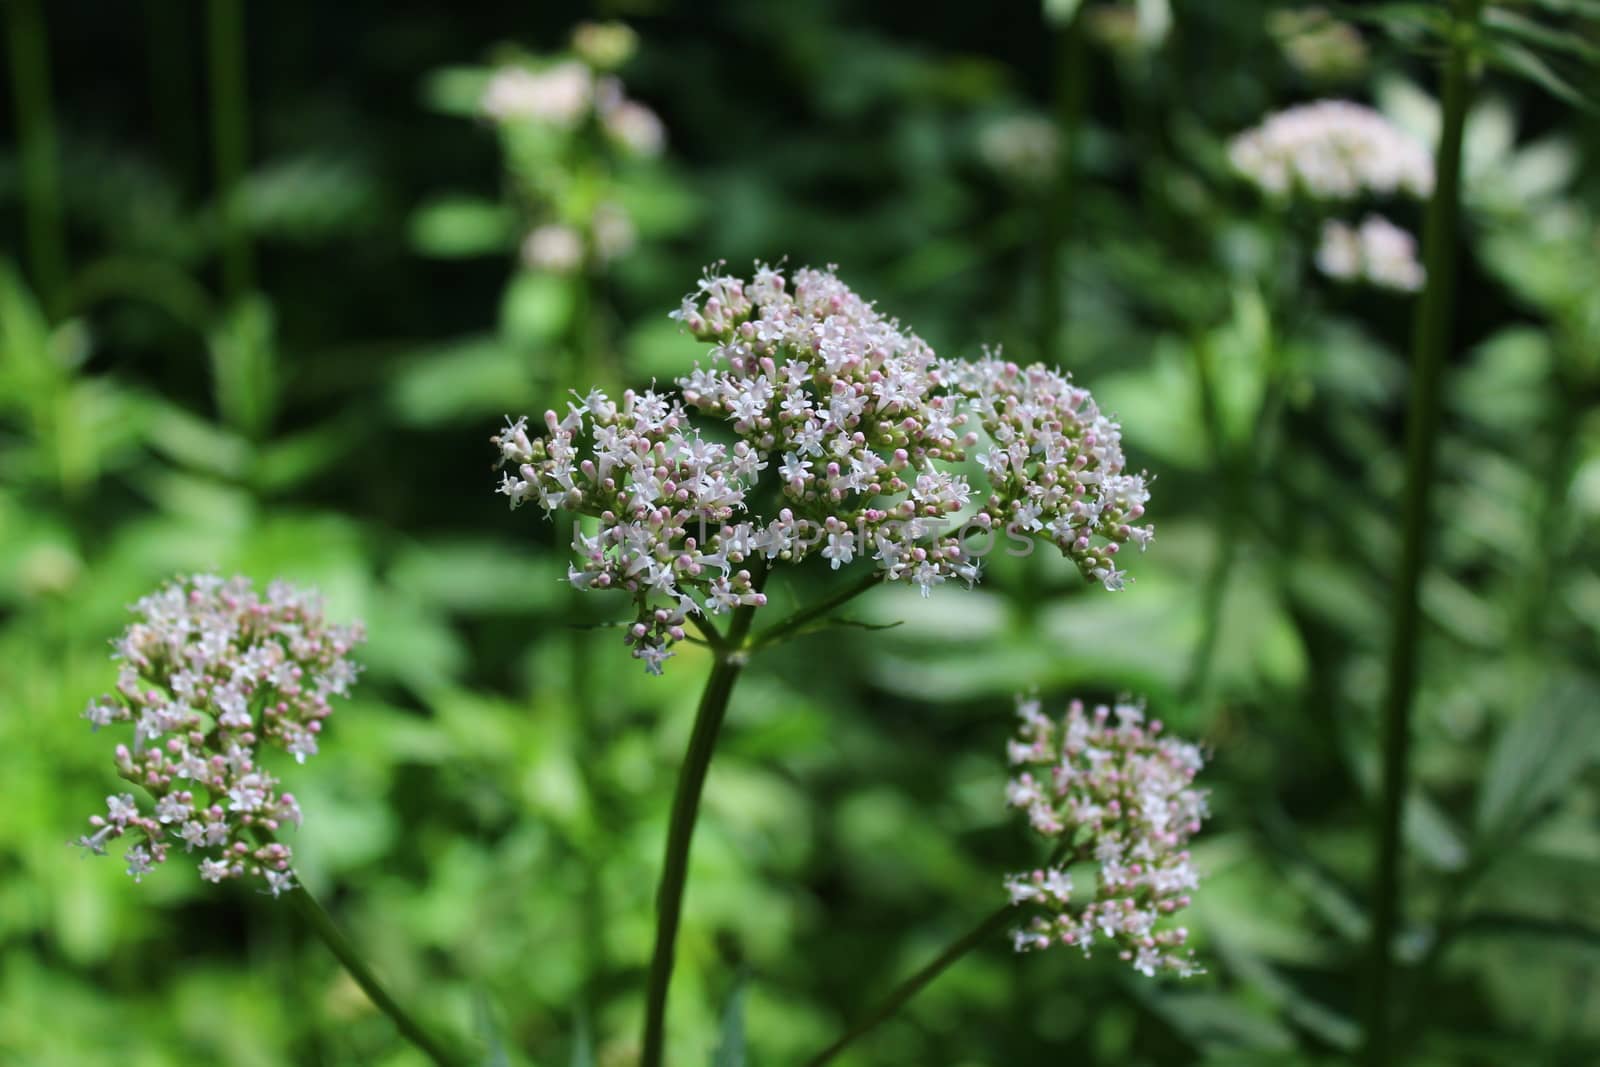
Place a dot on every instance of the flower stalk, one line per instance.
(1431, 341)
(902, 993)
(323, 925)
(713, 709)
(229, 132)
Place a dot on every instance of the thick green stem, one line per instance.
(1431, 344)
(917, 982)
(36, 143)
(1068, 105)
(229, 140)
(322, 923)
(730, 661)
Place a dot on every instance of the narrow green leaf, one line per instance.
(1537, 756)
(1524, 62)
(1520, 26)
(582, 1043)
(730, 1046)
(456, 227)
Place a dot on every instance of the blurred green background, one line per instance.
(262, 304)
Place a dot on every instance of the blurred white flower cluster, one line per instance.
(210, 673)
(859, 438)
(563, 98)
(1107, 789)
(1377, 252)
(1332, 150)
(1021, 148)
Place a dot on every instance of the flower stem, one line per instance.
(322, 923)
(917, 982)
(805, 616)
(1431, 341)
(229, 145)
(1068, 103)
(730, 661)
(36, 142)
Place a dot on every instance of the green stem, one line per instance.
(322, 923)
(805, 616)
(1214, 592)
(917, 982)
(1069, 94)
(172, 88)
(36, 142)
(730, 661)
(1431, 342)
(229, 136)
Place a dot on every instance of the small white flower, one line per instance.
(140, 862)
(278, 881)
(215, 870)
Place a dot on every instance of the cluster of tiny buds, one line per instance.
(862, 439)
(1332, 150)
(210, 673)
(1115, 796)
(1377, 252)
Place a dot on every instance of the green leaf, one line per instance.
(475, 377)
(455, 90)
(582, 1043)
(536, 309)
(457, 227)
(1060, 12)
(1520, 26)
(1537, 756)
(1565, 933)
(730, 1045)
(1524, 62)
(244, 367)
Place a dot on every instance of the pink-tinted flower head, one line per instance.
(1113, 795)
(818, 426)
(211, 673)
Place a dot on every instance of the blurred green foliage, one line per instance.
(487, 817)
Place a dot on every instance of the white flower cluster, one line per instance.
(567, 93)
(1022, 148)
(1332, 150)
(210, 673)
(1107, 788)
(1378, 252)
(849, 430)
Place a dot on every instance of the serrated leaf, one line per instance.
(1537, 756)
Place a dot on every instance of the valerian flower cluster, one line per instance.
(210, 674)
(1377, 252)
(544, 110)
(851, 440)
(1332, 150)
(1105, 787)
